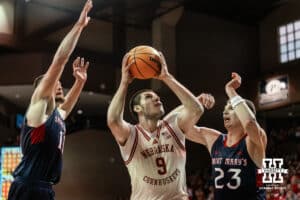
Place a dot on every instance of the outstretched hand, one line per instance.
(80, 69)
(207, 100)
(84, 19)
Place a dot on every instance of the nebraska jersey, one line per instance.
(156, 162)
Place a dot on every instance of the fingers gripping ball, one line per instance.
(146, 62)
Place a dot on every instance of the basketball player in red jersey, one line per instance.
(43, 130)
(153, 150)
(237, 155)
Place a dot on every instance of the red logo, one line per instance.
(259, 182)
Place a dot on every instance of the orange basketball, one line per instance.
(146, 62)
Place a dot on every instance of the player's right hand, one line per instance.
(84, 19)
(207, 100)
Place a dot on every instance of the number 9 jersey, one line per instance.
(156, 162)
(233, 171)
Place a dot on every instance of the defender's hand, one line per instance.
(207, 100)
(84, 19)
(80, 69)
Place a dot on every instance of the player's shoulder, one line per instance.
(170, 118)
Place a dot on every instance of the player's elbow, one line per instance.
(111, 122)
(197, 110)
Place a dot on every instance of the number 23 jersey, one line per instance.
(234, 173)
(156, 162)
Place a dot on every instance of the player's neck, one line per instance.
(149, 125)
(234, 135)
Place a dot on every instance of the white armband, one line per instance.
(236, 100)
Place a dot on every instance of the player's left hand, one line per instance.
(80, 69)
(164, 73)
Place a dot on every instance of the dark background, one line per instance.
(203, 42)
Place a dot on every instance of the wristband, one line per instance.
(236, 100)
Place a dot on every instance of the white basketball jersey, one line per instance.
(156, 162)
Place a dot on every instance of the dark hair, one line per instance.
(135, 100)
(37, 80)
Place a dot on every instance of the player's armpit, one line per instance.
(120, 130)
(264, 137)
(256, 134)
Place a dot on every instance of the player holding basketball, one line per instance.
(153, 150)
(237, 155)
(43, 132)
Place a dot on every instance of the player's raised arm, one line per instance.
(246, 116)
(45, 88)
(48, 84)
(192, 109)
(115, 121)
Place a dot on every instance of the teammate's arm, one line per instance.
(256, 134)
(80, 74)
(115, 121)
(192, 109)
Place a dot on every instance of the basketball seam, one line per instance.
(148, 65)
(145, 53)
(136, 64)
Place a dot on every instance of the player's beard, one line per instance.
(155, 116)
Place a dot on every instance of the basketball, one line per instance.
(146, 62)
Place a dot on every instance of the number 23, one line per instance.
(235, 177)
